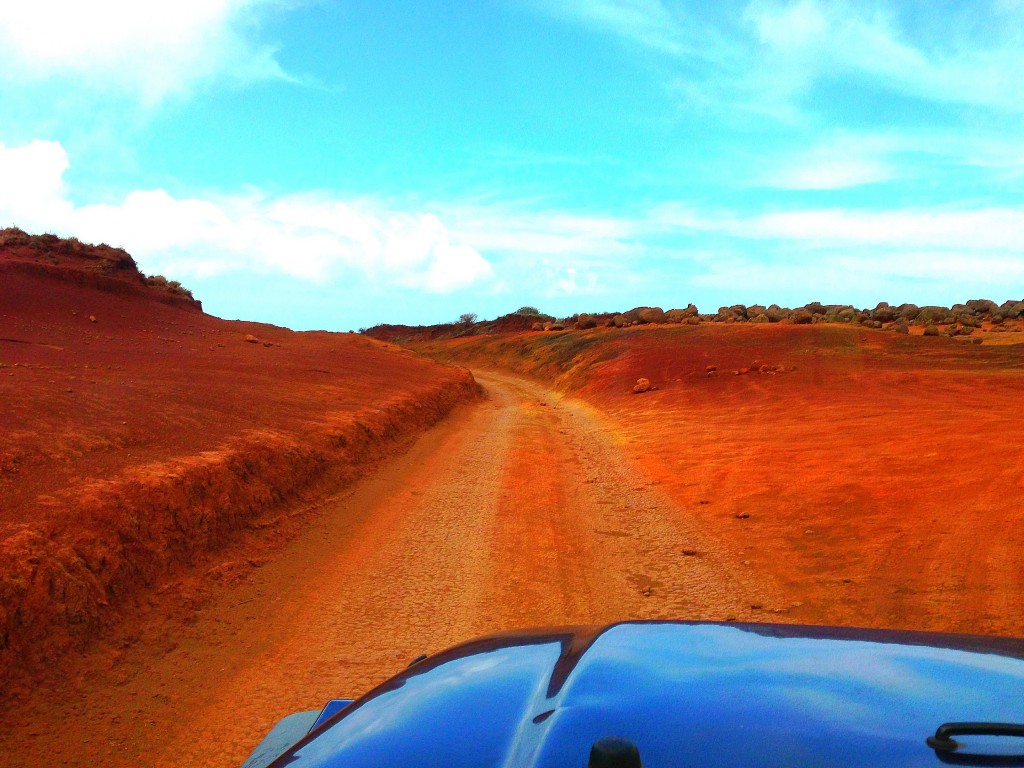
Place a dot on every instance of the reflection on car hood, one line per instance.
(687, 694)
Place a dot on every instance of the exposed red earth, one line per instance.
(286, 526)
(138, 434)
(871, 478)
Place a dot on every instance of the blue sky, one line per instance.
(322, 164)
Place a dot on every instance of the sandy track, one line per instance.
(519, 511)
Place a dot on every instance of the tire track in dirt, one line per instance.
(519, 511)
(602, 543)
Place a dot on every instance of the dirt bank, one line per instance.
(872, 476)
(138, 434)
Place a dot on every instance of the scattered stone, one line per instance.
(690, 552)
(92, 318)
(619, 321)
(251, 339)
(711, 368)
(742, 515)
(931, 330)
(642, 385)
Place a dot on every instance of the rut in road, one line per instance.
(520, 511)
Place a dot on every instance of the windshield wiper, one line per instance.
(946, 747)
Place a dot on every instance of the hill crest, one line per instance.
(95, 266)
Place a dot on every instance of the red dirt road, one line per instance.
(519, 511)
(877, 480)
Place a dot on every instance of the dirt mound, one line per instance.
(139, 434)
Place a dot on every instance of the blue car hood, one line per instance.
(687, 694)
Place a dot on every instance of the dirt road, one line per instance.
(519, 511)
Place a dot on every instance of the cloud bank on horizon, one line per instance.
(336, 165)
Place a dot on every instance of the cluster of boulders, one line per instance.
(960, 319)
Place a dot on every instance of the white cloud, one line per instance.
(551, 233)
(667, 28)
(148, 49)
(840, 161)
(312, 237)
(647, 22)
(355, 245)
(810, 39)
(765, 58)
(31, 181)
(833, 174)
(987, 229)
(979, 231)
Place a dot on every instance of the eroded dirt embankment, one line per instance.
(138, 435)
(873, 476)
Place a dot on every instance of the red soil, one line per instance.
(137, 433)
(870, 478)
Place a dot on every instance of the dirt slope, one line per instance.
(875, 477)
(137, 434)
(518, 512)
